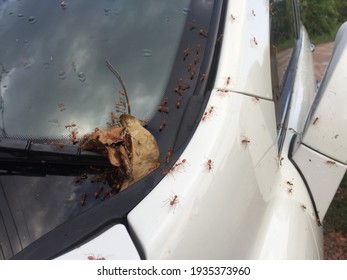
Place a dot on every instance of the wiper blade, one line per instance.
(28, 152)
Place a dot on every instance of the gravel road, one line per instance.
(321, 58)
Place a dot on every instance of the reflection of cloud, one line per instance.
(40, 203)
(60, 42)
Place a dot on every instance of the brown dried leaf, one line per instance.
(144, 146)
(113, 156)
(112, 136)
(131, 148)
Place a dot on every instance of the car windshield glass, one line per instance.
(53, 70)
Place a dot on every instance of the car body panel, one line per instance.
(324, 132)
(119, 246)
(323, 184)
(208, 197)
(222, 212)
(253, 203)
(323, 145)
(245, 52)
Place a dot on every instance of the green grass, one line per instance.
(319, 39)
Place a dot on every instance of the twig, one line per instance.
(115, 72)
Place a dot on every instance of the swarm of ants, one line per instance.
(116, 175)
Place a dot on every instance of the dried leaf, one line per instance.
(112, 136)
(131, 148)
(144, 146)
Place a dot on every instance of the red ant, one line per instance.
(154, 167)
(192, 24)
(185, 53)
(228, 81)
(196, 59)
(168, 155)
(72, 125)
(93, 258)
(106, 195)
(256, 99)
(203, 32)
(73, 137)
(179, 91)
(120, 104)
(162, 106)
(162, 126)
(245, 141)
(144, 122)
(208, 113)
(222, 90)
(83, 198)
(172, 201)
(290, 183)
(192, 74)
(182, 84)
(175, 167)
(315, 120)
(290, 190)
(197, 48)
(178, 164)
(99, 190)
(279, 160)
(178, 102)
(209, 165)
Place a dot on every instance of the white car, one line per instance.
(250, 156)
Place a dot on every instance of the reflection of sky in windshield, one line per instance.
(52, 61)
(41, 203)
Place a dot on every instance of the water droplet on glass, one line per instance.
(107, 11)
(116, 12)
(81, 76)
(20, 16)
(146, 52)
(167, 19)
(47, 65)
(54, 121)
(32, 19)
(26, 43)
(186, 11)
(62, 75)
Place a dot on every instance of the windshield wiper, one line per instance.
(27, 152)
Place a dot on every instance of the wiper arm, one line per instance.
(27, 152)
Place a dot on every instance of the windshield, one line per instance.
(52, 62)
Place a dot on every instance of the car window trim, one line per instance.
(288, 80)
